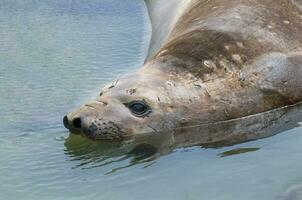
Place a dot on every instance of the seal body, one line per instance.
(213, 61)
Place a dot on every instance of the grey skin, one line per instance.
(221, 61)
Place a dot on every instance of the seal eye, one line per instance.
(139, 108)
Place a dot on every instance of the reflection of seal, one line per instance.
(219, 60)
(89, 154)
(294, 193)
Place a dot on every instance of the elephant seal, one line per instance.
(212, 64)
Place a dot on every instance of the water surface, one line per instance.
(55, 55)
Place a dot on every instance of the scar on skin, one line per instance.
(114, 83)
(131, 91)
(207, 92)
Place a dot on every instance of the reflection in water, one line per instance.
(93, 154)
(294, 193)
(237, 151)
(145, 148)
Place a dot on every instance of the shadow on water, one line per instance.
(146, 148)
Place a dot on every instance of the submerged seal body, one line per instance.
(209, 62)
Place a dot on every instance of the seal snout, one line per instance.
(72, 124)
(94, 128)
(78, 124)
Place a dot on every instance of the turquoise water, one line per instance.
(55, 55)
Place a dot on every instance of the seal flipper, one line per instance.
(163, 16)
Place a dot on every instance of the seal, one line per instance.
(209, 62)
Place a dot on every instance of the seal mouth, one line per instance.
(96, 130)
(107, 137)
(98, 135)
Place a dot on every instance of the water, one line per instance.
(55, 55)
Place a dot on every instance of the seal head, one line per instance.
(135, 104)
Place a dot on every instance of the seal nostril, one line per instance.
(77, 123)
(65, 122)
